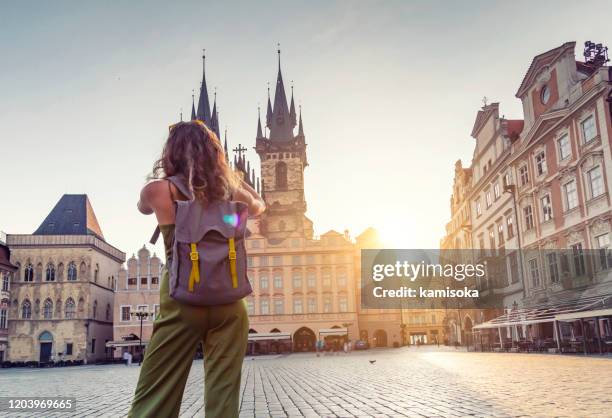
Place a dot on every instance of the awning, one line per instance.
(269, 336)
(129, 343)
(547, 312)
(328, 332)
(582, 315)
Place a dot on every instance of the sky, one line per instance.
(389, 93)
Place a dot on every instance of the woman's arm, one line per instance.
(155, 197)
(248, 195)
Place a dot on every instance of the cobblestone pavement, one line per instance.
(401, 382)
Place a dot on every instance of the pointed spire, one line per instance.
(193, 112)
(301, 125)
(292, 115)
(258, 186)
(203, 112)
(259, 133)
(269, 110)
(181, 114)
(280, 128)
(214, 121)
(263, 188)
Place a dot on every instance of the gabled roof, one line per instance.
(482, 116)
(5, 256)
(540, 61)
(72, 215)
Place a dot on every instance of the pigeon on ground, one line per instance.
(372, 361)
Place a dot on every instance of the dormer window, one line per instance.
(545, 94)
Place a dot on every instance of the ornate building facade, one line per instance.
(7, 269)
(136, 290)
(62, 291)
(542, 183)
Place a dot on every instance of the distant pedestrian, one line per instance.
(125, 357)
(350, 346)
(345, 347)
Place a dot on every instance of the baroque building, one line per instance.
(538, 185)
(62, 290)
(7, 269)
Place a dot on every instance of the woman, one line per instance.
(193, 153)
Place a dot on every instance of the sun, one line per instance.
(397, 233)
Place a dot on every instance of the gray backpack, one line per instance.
(209, 261)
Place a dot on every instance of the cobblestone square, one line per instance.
(401, 382)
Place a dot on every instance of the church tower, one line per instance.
(283, 160)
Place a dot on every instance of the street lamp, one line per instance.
(142, 315)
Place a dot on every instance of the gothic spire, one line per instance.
(203, 112)
(259, 133)
(292, 115)
(225, 146)
(301, 125)
(280, 129)
(193, 112)
(269, 111)
(214, 119)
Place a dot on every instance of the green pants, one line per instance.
(223, 331)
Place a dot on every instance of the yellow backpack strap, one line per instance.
(232, 260)
(194, 277)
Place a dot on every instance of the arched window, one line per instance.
(28, 273)
(50, 276)
(95, 309)
(70, 309)
(281, 175)
(96, 271)
(48, 309)
(58, 308)
(72, 271)
(108, 312)
(26, 309)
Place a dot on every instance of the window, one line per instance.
(311, 277)
(48, 309)
(26, 309)
(278, 280)
(69, 308)
(68, 349)
(155, 311)
(510, 226)
(264, 307)
(93, 345)
(297, 279)
(603, 246)
(589, 132)
(279, 307)
(263, 282)
(50, 276)
(263, 260)
(524, 175)
(553, 267)
(596, 184)
(534, 272)
(343, 304)
(310, 259)
(528, 214)
(488, 198)
(297, 306)
(507, 179)
(126, 313)
(312, 305)
(28, 273)
(491, 238)
(327, 305)
(281, 175)
(547, 212)
(326, 276)
(256, 243)
(545, 94)
(3, 319)
(514, 268)
(144, 281)
(540, 163)
(250, 262)
(578, 257)
(132, 281)
(478, 208)
(250, 306)
(564, 147)
(277, 260)
(500, 233)
(296, 260)
(295, 242)
(341, 276)
(571, 195)
(496, 192)
(142, 308)
(5, 281)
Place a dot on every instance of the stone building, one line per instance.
(136, 290)
(542, 183)
(62, 291)
(7, 269)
